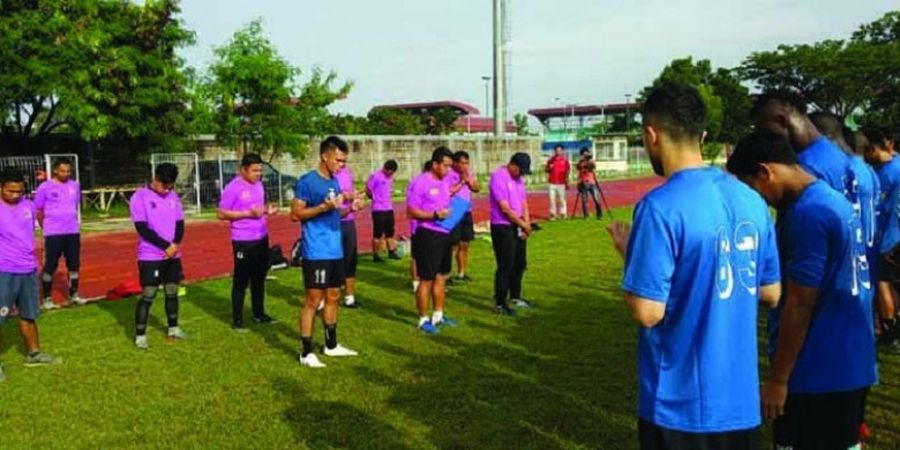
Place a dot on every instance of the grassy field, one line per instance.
(561, 375)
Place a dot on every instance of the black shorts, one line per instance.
(155, 273)
(323, 274)
(828, 420)
(351, 252)
(463, 231)
(67, 245)
(655, 437)
(889, 265)
(432, 253)
(383, 224)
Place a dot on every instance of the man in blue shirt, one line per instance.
(317, 202)
(700, 258)
(821, 341)
(879, 155)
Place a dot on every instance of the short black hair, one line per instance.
(62, 161)
(782, 96)
(677, 109)
(390, 165)
(584, 151)
(333, 143)
(427, 166)
(166, 173)
(440, 153)
(558, 146)
(460, 155)
(250, 159)
(11, 175)
(761, 146)
(828, 123)
(876, 136)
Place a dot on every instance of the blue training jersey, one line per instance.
(889, 206)
(702, 244)
(821, 251)
(321, 238)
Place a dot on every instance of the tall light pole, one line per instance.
(627, 113)
(499, 126)
(487, 95)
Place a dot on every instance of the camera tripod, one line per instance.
(582, 197)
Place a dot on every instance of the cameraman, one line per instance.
(587, 182)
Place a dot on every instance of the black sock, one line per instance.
(172, 310)
(307, 346)
(331, 336)
(48, 288)
(141, 315)
(73, 285)
(888, 330)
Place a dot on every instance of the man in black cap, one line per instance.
(510, 229)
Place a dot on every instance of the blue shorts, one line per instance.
(19, 291)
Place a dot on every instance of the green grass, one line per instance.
(559, 376)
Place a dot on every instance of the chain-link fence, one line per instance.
(216, 174)
(187, 185)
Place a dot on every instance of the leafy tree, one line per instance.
(442, 121)
(521, 121)
(394, 122)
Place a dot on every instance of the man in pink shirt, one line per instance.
(380, 188)
(57, 201)
(428, 203)
(558, 176)
(413, 226)
(18, 265)
(353, 202)
(510, 228)
(462, 184)
(159, 221)
(244, 204)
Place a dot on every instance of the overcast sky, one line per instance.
(582, 51)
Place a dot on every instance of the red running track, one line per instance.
(108, 259)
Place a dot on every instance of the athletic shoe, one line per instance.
(449, 281)
(447, 322)
(40, 359)
(311, 361)
(521, 303)
(353, 305)
(2, 374)
(141, 342)
(893, 348)
(378, 259)
(429, 328)
(464, 278)
(339, 350)
(49, 304)
(238, 326)
(393, 255)
(265, 319)
(75, 298)
(176, 334)
(504, 310)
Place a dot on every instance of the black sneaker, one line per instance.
(378, 259)
(464, 278)
(504, 310)
(265, 319)
(393, 255)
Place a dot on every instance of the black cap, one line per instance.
(523, 161)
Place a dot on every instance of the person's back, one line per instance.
(889, 207)
(703, 244)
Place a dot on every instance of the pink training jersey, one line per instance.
(344, 178)
(59, 201)
(454, 178)
(429, 194)
(161, 213)
(504, 188)
(381, 186)
(413, 223)
(17, 237)
(241, 195)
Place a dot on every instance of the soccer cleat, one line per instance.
(176, 334)
(339, 350)
(521, 303)
(312, 361)
(265, 319)
(429, 328)
(504, 310)
(40, 359)
(464, 278)
(76, 299)
(49, 304)
(447, 322)
(353, 305)
(141, 342)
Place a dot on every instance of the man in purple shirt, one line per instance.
(413, 226)
(379, 188)
(56, 202)
(510, 228)
(353, 202)
(18, 266)
(244, 205)
(159, 221)
(429, 202)
(462, 184)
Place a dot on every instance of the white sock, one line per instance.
(349, 299)
(437, 317)
(423, 320)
